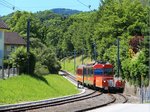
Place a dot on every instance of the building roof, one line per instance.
(3, 25)
(13, 38)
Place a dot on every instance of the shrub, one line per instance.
(135, 70)
(48, 58)
(41, 69)
(32, 61)
(7, 63)
(19, 59)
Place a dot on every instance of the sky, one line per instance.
(6, 6)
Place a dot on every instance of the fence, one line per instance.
(6, 73)
(143, 93)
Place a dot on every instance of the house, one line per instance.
(8, 41)
(3, 27)
(12, 40)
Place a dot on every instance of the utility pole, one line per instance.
(82, 51)
(94, 51)
(83, 68)
(83, 78)
(64, 62)
(74, 61)
(28, 44)
(118, 57)
(82, 56)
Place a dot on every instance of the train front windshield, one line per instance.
(106, 71)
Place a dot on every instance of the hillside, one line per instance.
(64, 12)
(46, 14)
(24, 88)
(68, 63)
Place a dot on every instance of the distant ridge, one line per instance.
(65, 12)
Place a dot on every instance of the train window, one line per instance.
(84, 71)
(89, 71)
(79, 71)
(108, 71)
(98, 71)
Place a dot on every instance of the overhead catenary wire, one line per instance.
(8, 5)
(88, 6)
(5, 5)
(7, 2)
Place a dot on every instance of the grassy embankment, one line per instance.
(28, 88)
(68, 63)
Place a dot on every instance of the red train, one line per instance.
(99, 75)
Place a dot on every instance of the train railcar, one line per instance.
(99, 75)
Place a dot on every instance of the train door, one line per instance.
(90, 76)
(84, 75)
(79, 75)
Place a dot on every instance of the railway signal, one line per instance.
(74, 61)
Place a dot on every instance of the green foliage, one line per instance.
(55, 37)
(19, 59)
(68, 63)
(135, 70)
(32, 62)
(41, 69)
(27, 88)
(119, 19)
(7, 63)
(48, 58)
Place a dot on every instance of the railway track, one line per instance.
(120, 98)
(57, 105)
(113, 100)
(72, 77)
(46, 103)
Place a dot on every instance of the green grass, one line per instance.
(27, 88)
(68, 63)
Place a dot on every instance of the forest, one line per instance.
(54, 37)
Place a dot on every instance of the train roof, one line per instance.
(103, 66)
(97, 64)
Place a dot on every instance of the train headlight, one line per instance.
(104, 81)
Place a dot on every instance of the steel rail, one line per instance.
(47, 104)
(125, 98)
(57, 102)
(102, 105)
(106, 104)
(113, 99)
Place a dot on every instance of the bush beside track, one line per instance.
(26, 88)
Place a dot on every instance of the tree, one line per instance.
(19, 59)
(55, 35)
(48, 58)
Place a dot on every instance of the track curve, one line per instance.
(82, 102)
